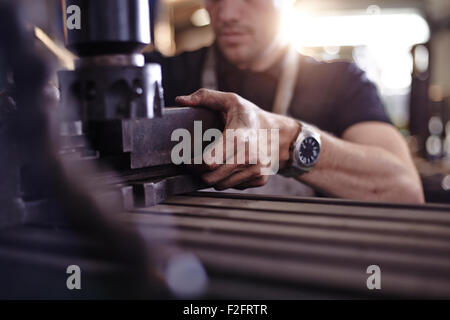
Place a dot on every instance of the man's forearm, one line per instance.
(364, 172)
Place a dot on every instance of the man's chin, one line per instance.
(236, 54)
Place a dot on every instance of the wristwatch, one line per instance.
(305, 152)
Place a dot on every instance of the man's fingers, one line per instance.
(221, 173)
(238, 178)
(215, 155)
(253, 183)
(226, 150)
(215, 100)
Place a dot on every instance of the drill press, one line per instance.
(116, 101)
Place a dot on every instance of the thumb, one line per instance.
(214, 100)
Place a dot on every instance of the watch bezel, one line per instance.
(307, 131)
(314, 162)
(296, 167)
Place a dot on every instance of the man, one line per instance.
(351, 151)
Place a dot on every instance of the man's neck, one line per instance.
(269, 57)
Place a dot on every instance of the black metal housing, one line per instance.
(110, 27)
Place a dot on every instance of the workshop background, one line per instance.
(141, 229)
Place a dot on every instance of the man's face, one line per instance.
(244, 29)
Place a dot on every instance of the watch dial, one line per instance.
(309, 151)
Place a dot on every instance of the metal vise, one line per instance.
(116, 100)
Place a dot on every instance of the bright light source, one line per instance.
(435, 126)
(200, 18)
(332, 50)
(354, 30)
(421, 58)
(446, 183)
(434, 146)
(381, 39)
(373, 9)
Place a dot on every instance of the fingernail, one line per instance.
(183, 98)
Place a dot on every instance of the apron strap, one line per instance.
(286, 83)
(209, 77)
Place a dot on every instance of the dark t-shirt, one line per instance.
(333, 96)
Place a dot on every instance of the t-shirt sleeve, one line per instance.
(357, 98)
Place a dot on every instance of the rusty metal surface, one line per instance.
(147, 142)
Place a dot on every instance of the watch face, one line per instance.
(309, 152)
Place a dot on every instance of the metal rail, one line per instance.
(306, 247)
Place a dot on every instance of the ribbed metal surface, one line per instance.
(256, 247)
(282, 247)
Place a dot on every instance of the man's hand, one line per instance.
(370, 162)
(246, 119)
